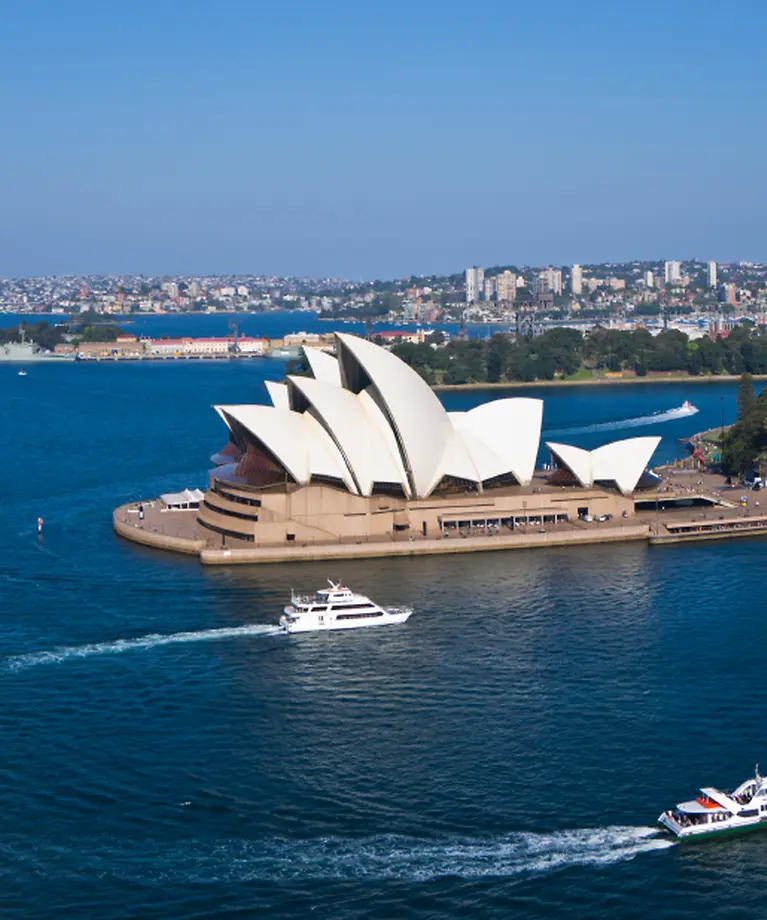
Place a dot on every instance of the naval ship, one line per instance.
(25, 352)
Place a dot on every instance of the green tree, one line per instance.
(746, 396)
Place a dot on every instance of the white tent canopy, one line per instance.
(183, 499)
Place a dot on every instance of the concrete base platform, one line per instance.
(137, 531)
(420, 547)
(179, 532)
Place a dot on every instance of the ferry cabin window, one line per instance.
(352, 606)
(319, 609)
(358, 616)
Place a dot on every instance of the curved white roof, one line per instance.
(621, 462)
(379, 420)
(345, 418)
(575, 459)
(507, 432)
(368, 418)
(467, 458)
(297, 440)
(323, 366)
(421, 424)
(278, 393)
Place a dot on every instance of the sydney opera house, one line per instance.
(363, 450)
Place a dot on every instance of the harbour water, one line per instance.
(271, 324)
(167, 755)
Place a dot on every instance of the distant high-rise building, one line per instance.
(711, 274)
(489, 288)
(730, 293)
(475, 283)
(649, 280)
(673, 272)
(576, 280)
(506, 287)
(549, 281)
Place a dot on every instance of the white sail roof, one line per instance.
(380, 422)
(278, 393)
(420, 422)
(323, 366)
(296, 440)
(624, 461)
(367, 453)
(503, 436)
(574, 459)
(621, 462)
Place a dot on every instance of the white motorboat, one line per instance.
(688, 408)
(22, 373)
(714, 813)
(337, 607)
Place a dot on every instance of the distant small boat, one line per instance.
(22, 373)
(688, 408)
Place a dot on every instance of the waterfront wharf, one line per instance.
(709, 528)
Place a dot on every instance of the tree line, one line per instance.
(745, 443)
(85, 328)
(562, 353)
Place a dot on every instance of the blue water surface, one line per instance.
(504, 754)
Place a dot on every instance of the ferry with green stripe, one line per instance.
(716, 814)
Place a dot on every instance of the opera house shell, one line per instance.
(363, 449)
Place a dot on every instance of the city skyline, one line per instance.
(333, 141)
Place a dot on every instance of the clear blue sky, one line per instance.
(378, 139)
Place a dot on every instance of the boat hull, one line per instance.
(312, 622)
(711, 832)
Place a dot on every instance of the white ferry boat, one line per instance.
(337, 607)
(688, 408)
(714, 813)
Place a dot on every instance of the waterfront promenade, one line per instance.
(178, 531)
(688, 506)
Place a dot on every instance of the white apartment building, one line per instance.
(548, 281)
(711, 274)
(576, 280)
(489, 288)
(673, 272)
(649, 280)
(506, 287)
(475, 283)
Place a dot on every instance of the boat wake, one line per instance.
(395, 857)
(669, 415)
(382, 857)
(65, 652)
